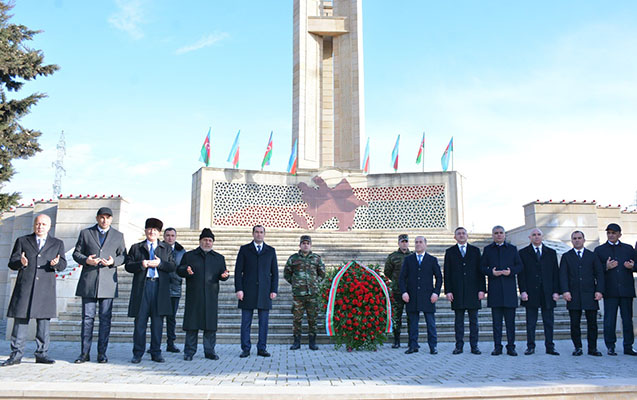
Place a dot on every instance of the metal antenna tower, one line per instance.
(59, 166)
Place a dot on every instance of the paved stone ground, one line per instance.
(324, 368)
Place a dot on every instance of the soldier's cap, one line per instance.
(105, 211)
(207, 233)
(153, 223)
(403, 238)
(613, 227)
(305, 238)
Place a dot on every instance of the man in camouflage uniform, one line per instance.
(303, 271)
(392, 271)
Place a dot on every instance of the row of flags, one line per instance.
(233, 157)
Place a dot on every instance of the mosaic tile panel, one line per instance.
(282, 206)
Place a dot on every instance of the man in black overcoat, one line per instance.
(203, 268)
(539, 283)
(36, 257)
(582, 285)
(256, 283)
(151, 262)
(501, 263)
(465, 287)
(420, 293)
(100, 249)
(178, 251)
(619, 261)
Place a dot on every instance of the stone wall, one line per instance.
(331, 199)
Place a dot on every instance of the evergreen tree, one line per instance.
(18, 63)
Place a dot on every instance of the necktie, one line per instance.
(537, 253)
(102, 237)
(258, 249)
(463, 251)
(39, 244)
(579, 253)
(151, 273)
(419, 258)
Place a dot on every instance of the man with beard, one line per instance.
(203, 268)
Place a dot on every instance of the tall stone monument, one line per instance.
(329, 191)
(328, 108)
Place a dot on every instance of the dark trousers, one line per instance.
(171, 323)
(548, 320)
(625, 305)
(246, 324)
(148, 308)
(591, 328)
(19, 335)
(89, 309)
(473, 327)
(497, 314)
(209, 342)
(432, 335)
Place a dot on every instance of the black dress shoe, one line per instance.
(136, 360)
(433, 351)
(578, 351)
(456, 351)
(395, 346)
(244, 354)
(263, 353)
(158, 358)
(44, 360)
(211, 356)
(172, 349)
(552, 352)
(512, 353)
(630, 352)
(82, 358)
(529, 351)
(611, 352)
(411, 350)
(595, 353)
(497, 351)
(10, 361)
(102, 359)
(187, 357)
(475, 350)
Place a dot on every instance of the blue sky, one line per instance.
(540, 97)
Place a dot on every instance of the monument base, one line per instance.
(332, 199)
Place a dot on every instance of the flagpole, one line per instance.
(423, 153)
(452, 157)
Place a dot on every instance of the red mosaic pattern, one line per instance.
(281, 206)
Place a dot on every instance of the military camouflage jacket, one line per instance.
(304, 273)
(392, 267)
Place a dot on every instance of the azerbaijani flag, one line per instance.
(205, 150)
(446, 155)
(292, 164)
(233, 157)
(394, 155)
(268, 153)
(366, 158)
(421, 150)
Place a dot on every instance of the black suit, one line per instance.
(503, 295)
(34, 292)
(540, 280)
(582, 277)
(417, 280)
(150, 297)
(620, 291)
(257, 275)
(98, 283)
(464, 280)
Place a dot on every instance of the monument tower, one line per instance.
(328, 108)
